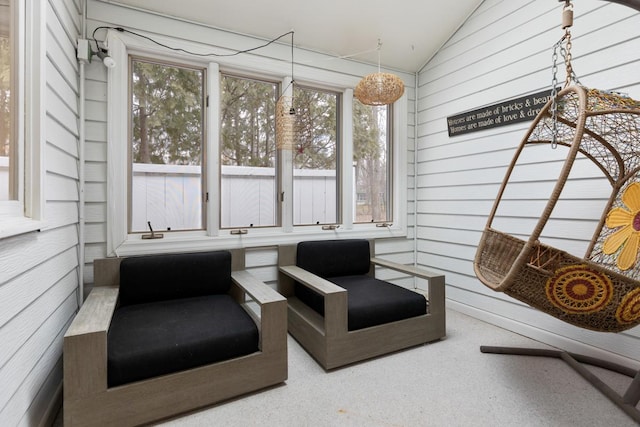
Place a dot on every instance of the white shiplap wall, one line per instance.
(504, 51)
(261, 261)
(39, 270)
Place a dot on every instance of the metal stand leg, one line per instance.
(632, 396)
(627, 402)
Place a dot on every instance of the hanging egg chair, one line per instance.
(600, 291)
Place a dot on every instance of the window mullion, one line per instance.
(212, 161)
(32, 179)
(347, 182)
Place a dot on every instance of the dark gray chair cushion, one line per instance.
(152, 278)
(370, 301)
(331, 258)
(374, 302)
(147, 340)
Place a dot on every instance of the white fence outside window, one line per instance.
(169, 196)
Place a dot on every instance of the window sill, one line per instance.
(199, 241)
(10, 227)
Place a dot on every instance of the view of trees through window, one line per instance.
(167, 152)
(315, 163)
(167, 149)
(6, 172)
(248, 152)
(371, 162)
(247, 122)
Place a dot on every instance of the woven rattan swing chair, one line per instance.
(600, 291)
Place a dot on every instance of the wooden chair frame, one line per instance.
(89, 401)
(327, 337)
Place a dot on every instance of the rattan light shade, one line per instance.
(285, 124)
(379, 89)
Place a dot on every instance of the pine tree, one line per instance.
(167, 114)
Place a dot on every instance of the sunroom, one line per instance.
(134, 128)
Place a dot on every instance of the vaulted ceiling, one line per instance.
(411, 31)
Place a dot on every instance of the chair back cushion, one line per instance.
(152, 278)
(331, 258)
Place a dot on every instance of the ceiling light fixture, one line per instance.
(379, 88)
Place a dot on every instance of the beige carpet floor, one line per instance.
(446, 383)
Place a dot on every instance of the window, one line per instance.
(315, 163)
(254, 194)
(22, 116)
(7, 104)
(248, 154)
(167, 147)
(371, 163)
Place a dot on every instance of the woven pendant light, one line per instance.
(285, 123)
(379, 88)
(286, 119)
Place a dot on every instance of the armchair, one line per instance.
(164, 334)
(340, 313)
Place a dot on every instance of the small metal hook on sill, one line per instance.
(330, 227)
(384, 224)
(153, 235)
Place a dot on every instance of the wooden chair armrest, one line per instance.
(335, 298)
(85, 345)
(257, 289)
(272, 321)
(436, 284)
(96, 312)
(310, 280)
(407, 269)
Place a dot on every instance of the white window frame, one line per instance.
(120, 243)
(390, 165)
(277, 167)
(204, 190)
(26, 213)
(340, 142)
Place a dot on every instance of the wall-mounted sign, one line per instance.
(502, 114)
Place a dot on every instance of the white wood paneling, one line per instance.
(96, 192)
(21, 327)
(61, 162)
(60, 214)
(21, 291)
(61, 137)
(504, 51)
(94, 212)
(38, 271)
